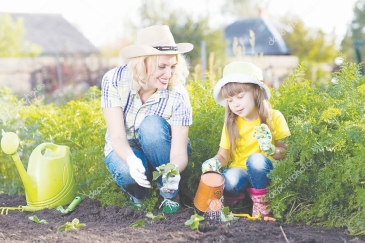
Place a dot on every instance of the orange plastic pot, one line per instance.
(210, 187)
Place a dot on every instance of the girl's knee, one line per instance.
(258, 162)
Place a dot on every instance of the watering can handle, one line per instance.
(48, 145)
(42, 147)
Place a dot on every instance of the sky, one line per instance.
(101, 21)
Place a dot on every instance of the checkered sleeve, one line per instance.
(109, 90)
(182, 115)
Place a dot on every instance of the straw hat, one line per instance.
(155, 40)
(239, 72)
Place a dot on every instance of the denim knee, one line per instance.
(154, 130)
(120, 172)
(258, 167)
(235, 181)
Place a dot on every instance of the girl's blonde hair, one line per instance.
(139, 66)
(261, 102)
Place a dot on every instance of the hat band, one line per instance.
(166, 48)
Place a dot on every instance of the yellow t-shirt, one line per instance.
(247, 144)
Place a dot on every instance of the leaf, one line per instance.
(75, 221)
(194, 221)
(36, 219)
(156, 175)
(153, 217)
(74, 225)
(138, 223)
(169, 169)
(227, 215)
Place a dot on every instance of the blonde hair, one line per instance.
(139, 66)
(261, 102)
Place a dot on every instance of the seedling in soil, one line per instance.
(154, 217)
(138, 223)
(168, 169)
(194, 221)
(34, 218)
(227, 215)
(74, 225)
(142, 222)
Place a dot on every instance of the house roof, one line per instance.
(54, 34)
(268, 40)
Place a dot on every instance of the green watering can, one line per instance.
(49, 180)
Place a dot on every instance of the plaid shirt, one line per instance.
(172, 104)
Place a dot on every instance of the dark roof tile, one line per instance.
(268, 40)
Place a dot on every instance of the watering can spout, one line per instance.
(10, 144)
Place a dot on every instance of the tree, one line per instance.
(186, 29)
(12, 43)
(355, 32)
(240, 8)
(313, 47)
(309, 44)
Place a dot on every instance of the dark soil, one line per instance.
(113, 225)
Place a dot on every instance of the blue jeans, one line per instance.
(237, 179)
(153, 148)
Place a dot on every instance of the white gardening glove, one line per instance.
(212, 164)
(171, 179)
(137, 170)
(170, 184)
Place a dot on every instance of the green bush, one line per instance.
(78, 124)
(321, 181)
(204, 134)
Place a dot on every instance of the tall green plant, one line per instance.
(204, 133)
(78, 124)
(321, 181)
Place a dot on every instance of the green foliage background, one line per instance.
(321, 181)
(12, 41)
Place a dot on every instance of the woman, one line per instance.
(148, 114)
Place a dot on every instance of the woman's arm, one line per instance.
(280, 149)
(179, 146)
(116, 129)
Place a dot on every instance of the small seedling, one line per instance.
(142, 222)
(74, 225)
(194, 221)
(167, 169)
(154, 217)
(227, 215)
(34, 218)
(138, 223)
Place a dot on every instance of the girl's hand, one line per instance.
(212, 164)
(263, 135)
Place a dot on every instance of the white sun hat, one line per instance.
(239, 72)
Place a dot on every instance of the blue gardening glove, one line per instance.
(263, 135)
(212, 164)
(170, 179)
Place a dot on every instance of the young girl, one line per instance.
(252, 136)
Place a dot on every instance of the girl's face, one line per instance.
(159, 77)
(243, 105)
